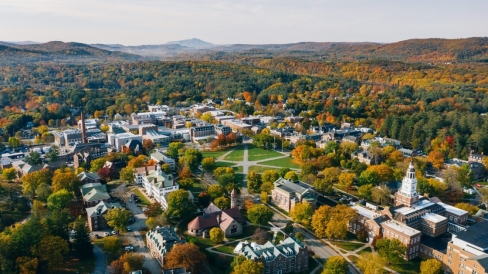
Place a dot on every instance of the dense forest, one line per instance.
(424, 105)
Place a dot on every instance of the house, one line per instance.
(22, 168)
(229, 220)
(289, 256)
(162, 158)
(94, 193)
(132, 146)
(287, 193)
(95, 215)
(83, 154)
(115, 165)
(156, 183)
(89, 177)
(160, 241)
(367, 157)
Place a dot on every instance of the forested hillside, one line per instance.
(423, 105)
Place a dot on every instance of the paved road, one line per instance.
(136, 240)
(100, 261)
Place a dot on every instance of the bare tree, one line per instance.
(260, 236)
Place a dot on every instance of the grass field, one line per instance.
(198, 187)
(225, 164)
(215, 153)
(364, 251)
(144, 200)
(229, 249)
(407, 267)
(236, 155)
(349, 246)
(261, 169)
(282, 162)
(71, 264)
(238, 169)
(256, 153)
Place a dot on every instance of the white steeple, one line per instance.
(408, 195)
(409, 183)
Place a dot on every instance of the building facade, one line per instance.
(287, 193)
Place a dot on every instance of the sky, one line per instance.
(137, 22)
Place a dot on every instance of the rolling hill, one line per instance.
(60, 51)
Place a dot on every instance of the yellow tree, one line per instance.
(371, 263)
(436, 158)
(336, 229)
(52, 250)
(301, 213)
(431, 266)
(346, 179)
(216, 235)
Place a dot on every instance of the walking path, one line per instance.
(100, 261)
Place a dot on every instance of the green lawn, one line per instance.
(197, 187)
(110, 257)
(407, 267)
(282, 162)
(256, 153)
(144, 200)
(279, 237)
(353, 258)
(349, 246)
(236, 155)
(247, 231)
(364, 251)
(229, 249)
(223, 164)
(261, 169)
(215, 153)
(238, 169)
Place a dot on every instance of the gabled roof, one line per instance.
(211, 208)
(101, 208)
(84, 189)
(204, 222)
(290, 186)
(89, 175)
(96, 195)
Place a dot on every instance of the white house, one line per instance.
(118, 140)
(156, 183)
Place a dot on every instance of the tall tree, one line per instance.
(336, 265)
(33, 158)
(391, 249)
(371, 263)
(51, 251)
(81, 239)
(126, 263)
(253, 181)
(179, 204)
(118, 218)
(59, 199)
(188, 256)
(259, 214)
(248, 266)
(301, 213)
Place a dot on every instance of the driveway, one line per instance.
(100, 261)
(136, 239)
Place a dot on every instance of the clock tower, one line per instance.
(408, 195)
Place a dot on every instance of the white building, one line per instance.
(156, 183)
(163, 158)
(118, 140)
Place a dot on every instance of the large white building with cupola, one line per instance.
(156, 183)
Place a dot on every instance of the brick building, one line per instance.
(287, 193)
(289, 256)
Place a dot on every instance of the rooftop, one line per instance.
(438, 243)
(476, 234)
(420, 205)
(365, 212)
(436, 218)
(453, 210)
(401, 228)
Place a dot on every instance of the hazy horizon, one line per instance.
(150, 22)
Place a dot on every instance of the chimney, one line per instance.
(173, 182)
(155, 180)
(147, 172)
(83, 129)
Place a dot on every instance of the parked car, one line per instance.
(129, 228)
(114, 232)
(98, 236)
(144, 209)
(129, 248)
(106, 234)
(132, 220)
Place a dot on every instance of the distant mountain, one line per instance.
(60, 51)
(149, 51)
(192, 43)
